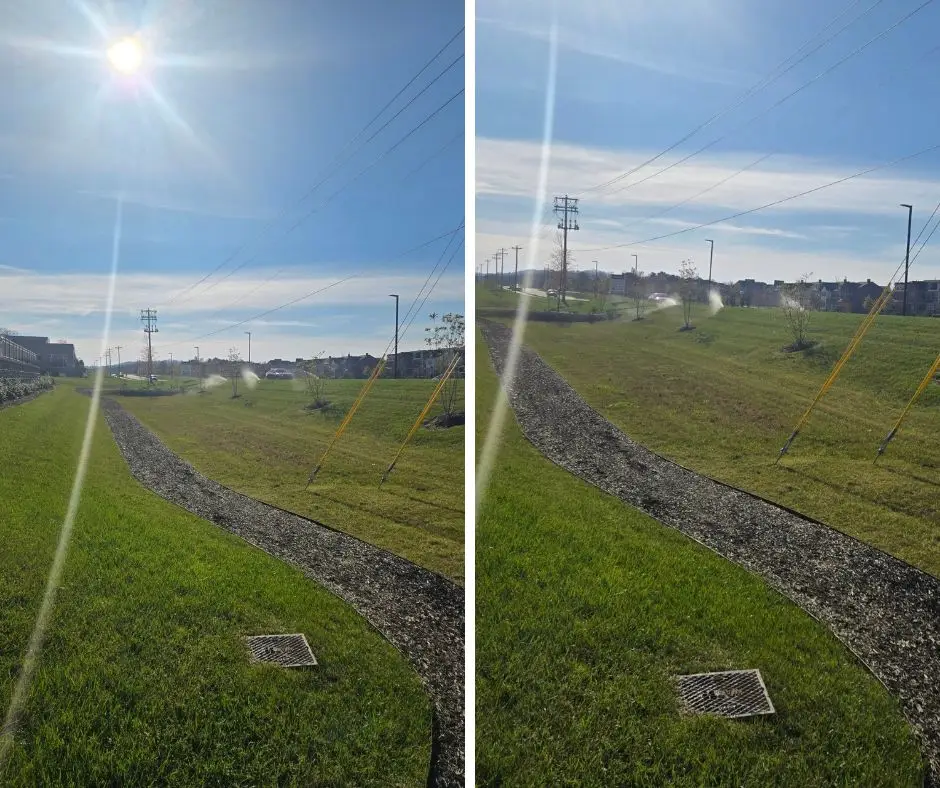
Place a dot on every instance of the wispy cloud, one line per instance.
(677, 39)
(84, 294)
(507, 168)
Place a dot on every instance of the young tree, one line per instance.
(234, 359)
(688, 276)
(316, 385)
(795, 304)
(447, 340)
(559, 263)
(639, 302)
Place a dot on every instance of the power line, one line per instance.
(325, 178)
(737, 215)
(310, 191)
(776, 104)
(771, 77)
(317, 291)
(281, 270)
(345, 186)
(428, 294)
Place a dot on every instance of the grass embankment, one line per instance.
(586, 608)
(144, 679)
(723, 398)
(265, 444)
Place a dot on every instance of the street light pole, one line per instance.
(711, 255)
(249, 348)
(907, 256)
(595, 278)
(198, 368)
(395, 296)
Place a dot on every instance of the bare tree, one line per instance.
(234, 360)
(688, 275)
(316, 386)
(796, 303)
(447, 340)
(639, 302)
(557, 262)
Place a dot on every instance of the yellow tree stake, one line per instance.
(414, 428)
(920, 390)
(876, 309)
(348, 418)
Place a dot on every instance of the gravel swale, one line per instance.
(420, 612)
(886, 611)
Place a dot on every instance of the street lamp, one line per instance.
(907, 256)
(249, 348)
(395, 296)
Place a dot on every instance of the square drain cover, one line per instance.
(732, 693)
(288, 651)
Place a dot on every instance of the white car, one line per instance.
(278, 374)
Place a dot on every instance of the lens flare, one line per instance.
(126, 56)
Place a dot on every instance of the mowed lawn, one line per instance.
(265, 444)
(144, 679)
(722, 400)
(586, 609)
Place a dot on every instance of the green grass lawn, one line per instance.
(143, 679)
(586, 608)
(722, 400)
(264, 444)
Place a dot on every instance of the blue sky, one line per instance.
(635, 77)
(238, 112)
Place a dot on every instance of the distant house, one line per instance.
(923, 298)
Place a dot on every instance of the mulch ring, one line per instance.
(884, 610)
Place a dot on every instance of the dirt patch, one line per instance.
(445, 421)
(319, 404)
(687, 328)
(799, 347)
(884, 610)
(421, 613)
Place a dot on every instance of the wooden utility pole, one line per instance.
(515, 276)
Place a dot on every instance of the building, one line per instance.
(923, 298)
(52, 358)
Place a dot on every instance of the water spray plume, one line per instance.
(34, 647)
(715, 303)
(250, 378)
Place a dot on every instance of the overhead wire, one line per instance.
(332, 162)
(777, 103)
(769, 79)
(772, 204)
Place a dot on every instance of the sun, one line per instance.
(126, 56)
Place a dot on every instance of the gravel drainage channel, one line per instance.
(884, 610)
(420, 612)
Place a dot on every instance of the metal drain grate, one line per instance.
(288, 651)
(732, 693)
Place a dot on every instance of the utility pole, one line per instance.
(567, 209)
(249, 348)
(595, 279)
(515, 276)
(107, 358)
(711, 255)
(486, 279)
(395, 296)
(149, 318)
(500, 267)
(907, 257)
(118, 349)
